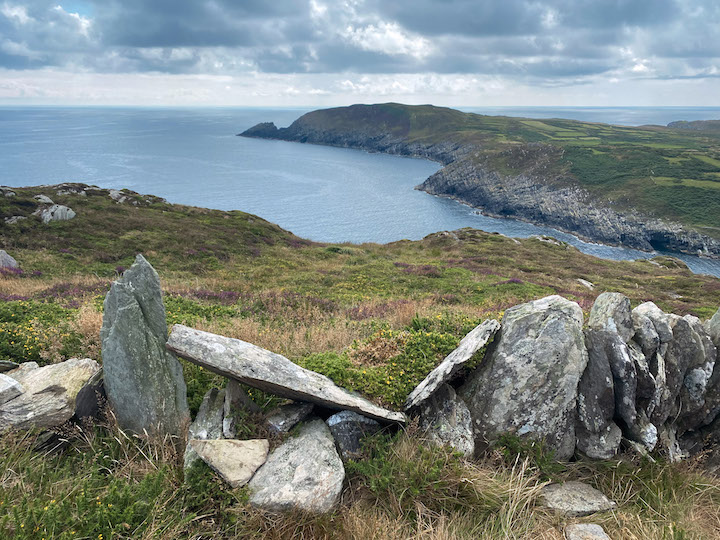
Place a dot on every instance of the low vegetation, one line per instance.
(374, 318)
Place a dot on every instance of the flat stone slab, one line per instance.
(268, 371)
(305, 473)
(575, 499)
(236, 461)
(470, 344)
(585, 531)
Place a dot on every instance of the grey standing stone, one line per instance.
(575, 499)
(6, 261)
(143, 381)
(447, 421)
(454, 362)
(235, 461)
(208, 423)
(286, 417)
(305, 473)
(349, 429)
(585, 531)
(611, 311)
(49, 392)
(237, 405)
(268, 371)
(528, 384)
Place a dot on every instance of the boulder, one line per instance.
(474, 341)
(49, 392)
(349, 429)
(659, 319)
(286, 417)
(270, 372)
(235, 461)
(575, 499)
(143, 381)
(585, 531)
(611, 311)
(645, 334)
(305, 473)
(6, 261)
(43, 199)
(57, 212)
(237, 405)
(9, 388)
(597, 434)
(208, 423)
(713, 328)
(6, 192)
(446, 421)
(527, 385)
(91, 397)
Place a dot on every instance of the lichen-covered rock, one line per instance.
(470, 344)
(585, 531)
(49, 392)
(611, 311)
(6, 261)
(9, 388)
(268, 371)
(446, 421)
(57, 212)
(575, 499)
(143, 381)
(286, 417)
(660, 320)
(235, 461)
(43, 199)
(713, 328)
(349, 429)
(208, 423)
(527, 385)
(305, 473)
(645, 334)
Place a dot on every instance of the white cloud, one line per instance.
(15, 13)
(388, 38)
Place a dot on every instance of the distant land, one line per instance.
(648, 187)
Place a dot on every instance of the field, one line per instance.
(374, 318)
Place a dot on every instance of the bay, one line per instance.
(192, 156)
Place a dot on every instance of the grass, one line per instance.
(375, 318)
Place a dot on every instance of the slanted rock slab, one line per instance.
(470, 344)
(575, 499)
(208, 423)
(305, 473)
(268, 371)
(235, 461)
(585, 531)
(143, 381)
(48, 399)
(349, 429)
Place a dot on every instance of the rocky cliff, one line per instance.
(534, 190)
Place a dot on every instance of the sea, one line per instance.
(193, 156)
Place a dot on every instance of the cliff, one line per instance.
(513, 168)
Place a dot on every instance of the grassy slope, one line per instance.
(670, 173)
(375, 318)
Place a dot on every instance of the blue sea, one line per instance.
(192, 156)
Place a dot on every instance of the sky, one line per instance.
(300, 53)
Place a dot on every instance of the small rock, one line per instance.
(6, 192)
(586, 283)
(236, 403)
(447, 421)
(6, 261)
(57, 212)
(305, 473)
(9, 388)
(349, 429)
(8, 365)
(575, 499)
(117, 196)
(14, 219)
(286, 417)
(470, 344)
(43, 199)
(208, 423)
(90, 398)
(49, 393)
(585, 531)
(235, 461)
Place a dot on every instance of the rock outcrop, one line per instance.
(527, 383)
(42, 397)
(305, 473)
(268, 371)
(143, 381)
(56, 212)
